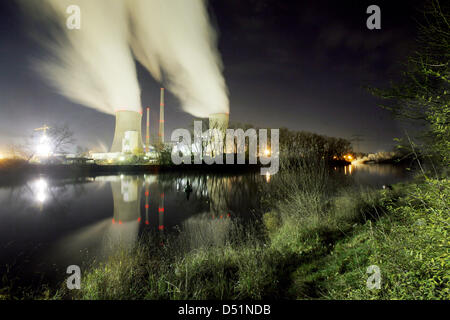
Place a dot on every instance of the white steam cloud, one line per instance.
(175, 36)
(94, 66)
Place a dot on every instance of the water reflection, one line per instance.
(375, 175)
(91, 217)
(41, 190)
(123, 231)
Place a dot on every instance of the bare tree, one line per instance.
(60, 138)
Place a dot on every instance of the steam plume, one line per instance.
(175, 38)
(92, 66)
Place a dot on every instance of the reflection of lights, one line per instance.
(41, 190)
(267, 177)
(267, 152)
(348, 169)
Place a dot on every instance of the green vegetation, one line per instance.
(410, 244)
(422, 95)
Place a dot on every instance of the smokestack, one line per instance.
(147, 136)
(128, 134)
(161, 118)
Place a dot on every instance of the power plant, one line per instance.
(128, 133)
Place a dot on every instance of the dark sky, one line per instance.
(295, 64)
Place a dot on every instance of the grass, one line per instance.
(410, 245)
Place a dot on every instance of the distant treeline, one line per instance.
(302, 143)
(295, 143)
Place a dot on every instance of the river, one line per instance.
(47, 224)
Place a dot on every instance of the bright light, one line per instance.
(1, 156)
(267, 177)
(41, 187)
(348, 157)
(43, 149)
(122, 158)
(267, 152)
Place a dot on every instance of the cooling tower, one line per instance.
(128, 134)
(219, 121)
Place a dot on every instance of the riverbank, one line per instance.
(316, 244)
(19, 167)
(22, 170)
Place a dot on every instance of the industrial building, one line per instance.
(128, 134)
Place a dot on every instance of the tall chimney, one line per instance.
(161, 118)
(147, 136)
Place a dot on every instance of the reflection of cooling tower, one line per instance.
(128, 134)
(126, 196)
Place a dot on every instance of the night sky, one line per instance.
(295, 64)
